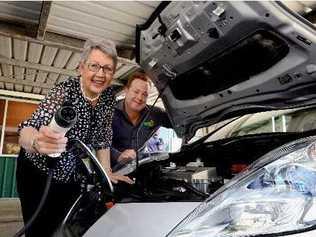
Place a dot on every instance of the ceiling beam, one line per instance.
(64, 40)
(37, 66)
(22, 95)
(46, 5)
(24, 82)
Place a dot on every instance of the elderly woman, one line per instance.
(93, 100)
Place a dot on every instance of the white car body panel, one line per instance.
(141, 219)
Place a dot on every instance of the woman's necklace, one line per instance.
(84, 94)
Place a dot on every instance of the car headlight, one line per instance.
(276, 195)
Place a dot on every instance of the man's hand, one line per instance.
(127, 155)
(116, 177)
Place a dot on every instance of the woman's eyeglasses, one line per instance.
(95, 67)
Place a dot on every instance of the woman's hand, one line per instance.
(47, 141)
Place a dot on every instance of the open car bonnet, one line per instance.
(216, 60)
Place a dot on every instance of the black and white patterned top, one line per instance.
(93, 125)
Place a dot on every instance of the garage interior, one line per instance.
(40, 45)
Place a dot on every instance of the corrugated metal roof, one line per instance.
(32, 63)
(110, 19)
(34, 67)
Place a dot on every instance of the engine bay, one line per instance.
(198, 170)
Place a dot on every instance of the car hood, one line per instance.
(215, 60)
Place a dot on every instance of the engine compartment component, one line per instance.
(203, 179)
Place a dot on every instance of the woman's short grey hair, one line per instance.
(106, 46)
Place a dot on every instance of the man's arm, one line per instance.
(103, 156)
(122, 157)
(115, 154)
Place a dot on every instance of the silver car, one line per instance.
(213, 62)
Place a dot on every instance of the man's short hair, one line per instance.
(105, 46)
(137, 75)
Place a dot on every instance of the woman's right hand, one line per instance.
(47, 141)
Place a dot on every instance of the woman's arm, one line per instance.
(27, 139)
(103, 156)
(34, 134)
(43, 141)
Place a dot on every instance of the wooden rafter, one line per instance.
(46, 5)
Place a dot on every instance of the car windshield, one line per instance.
(289, 120)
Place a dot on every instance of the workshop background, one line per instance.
(40, 45)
